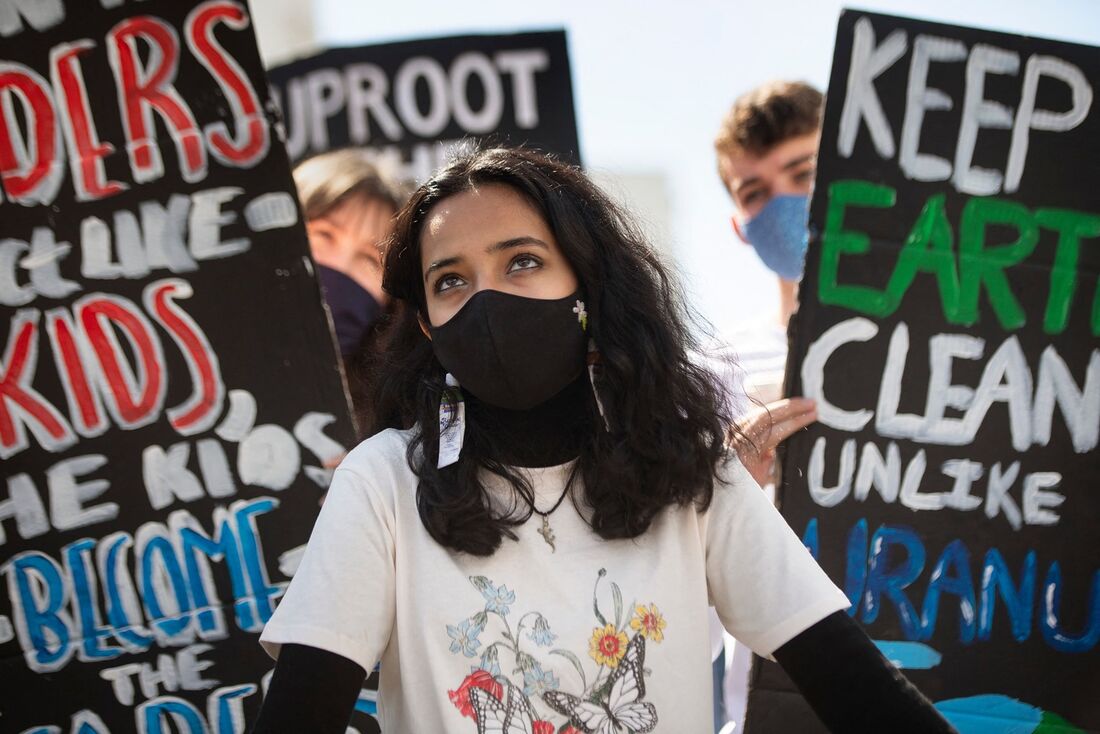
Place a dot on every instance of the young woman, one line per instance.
(532, 545)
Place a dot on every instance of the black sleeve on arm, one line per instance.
(851, 686)
(312, 690)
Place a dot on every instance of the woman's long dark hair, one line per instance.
(667, 414)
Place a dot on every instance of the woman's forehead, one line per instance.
(477, 218)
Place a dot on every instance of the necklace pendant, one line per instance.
(547, 534)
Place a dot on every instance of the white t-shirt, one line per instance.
(759, 349)
(529, 632)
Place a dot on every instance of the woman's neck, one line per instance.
(547, 435)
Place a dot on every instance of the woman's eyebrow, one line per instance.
(516, 242)
(496, 247)
(439, 264)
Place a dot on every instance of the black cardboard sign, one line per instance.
(411, 103)
(169, 388)
(948, 331)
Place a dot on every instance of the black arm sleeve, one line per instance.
(312, 690)
(851, 686)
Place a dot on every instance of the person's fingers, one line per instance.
(782, 431)
(780, 410)
(766, 430)
(756, 425)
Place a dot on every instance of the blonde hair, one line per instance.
(327, 180)
(766, 116)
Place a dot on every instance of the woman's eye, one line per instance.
(447, 282)
(524, 262)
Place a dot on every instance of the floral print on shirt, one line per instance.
(513, 688)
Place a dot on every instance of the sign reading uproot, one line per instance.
(169, 391)
(411, 103)
(948, 332)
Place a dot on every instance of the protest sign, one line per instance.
(948, 331)
(169, 388)
(412, 103)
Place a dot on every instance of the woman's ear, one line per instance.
(424, 326)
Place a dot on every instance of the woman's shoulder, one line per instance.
(734, 485)
(382, 456)
(732, 474)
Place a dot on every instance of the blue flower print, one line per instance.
(464, 637)
(490, 662)
(537, 681)
(541, 634)
(498, 599)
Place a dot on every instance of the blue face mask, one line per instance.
(778, 232)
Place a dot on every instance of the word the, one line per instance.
(171, 673)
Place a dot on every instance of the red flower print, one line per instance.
(543, 727)
(482, 679)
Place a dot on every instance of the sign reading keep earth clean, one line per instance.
(948, 330)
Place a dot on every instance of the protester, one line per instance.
(349, 204)
(532, 544)
(767, 152)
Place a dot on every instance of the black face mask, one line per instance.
(513, 352)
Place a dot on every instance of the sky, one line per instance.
(653, 79)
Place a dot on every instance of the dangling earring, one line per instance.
(452, 423)
(594, 368)
(593, 361)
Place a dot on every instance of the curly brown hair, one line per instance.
(766, 116)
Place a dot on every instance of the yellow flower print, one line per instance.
(607, 646)
(649, 622)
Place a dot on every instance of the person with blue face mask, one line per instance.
(767, 152)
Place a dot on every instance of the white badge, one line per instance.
(452, 423)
